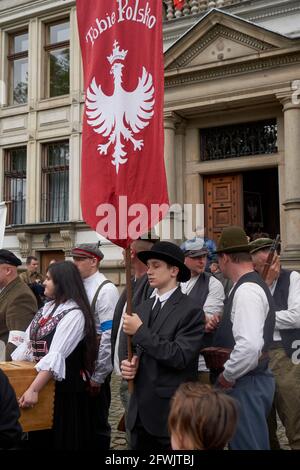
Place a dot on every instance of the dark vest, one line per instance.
(224, 336)
(199, 294)
(280, 297)
(200, 290)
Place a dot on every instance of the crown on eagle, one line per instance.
(117, 54)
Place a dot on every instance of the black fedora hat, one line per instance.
(171, 254)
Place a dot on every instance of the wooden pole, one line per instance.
(129, 306)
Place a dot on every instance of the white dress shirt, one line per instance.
(104, 312)
(290, 318)
(163, 297)
(250, 308)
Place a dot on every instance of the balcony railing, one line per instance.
(193, 7)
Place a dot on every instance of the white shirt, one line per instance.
(290, 318)
(250, 308)
(163, 297)
(104, 312)
(116, 356)
(69, 332)
(213, 304)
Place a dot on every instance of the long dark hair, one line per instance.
(68, 285)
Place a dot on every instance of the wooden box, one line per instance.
(21, 374)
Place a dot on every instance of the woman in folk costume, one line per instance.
(62, 340)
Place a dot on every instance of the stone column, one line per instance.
(193, 182)
(291, 245)
(75, 117)
(170, 120)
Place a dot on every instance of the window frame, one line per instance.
(11, 58)
(46, 170)
(48, 47)
(8, 176)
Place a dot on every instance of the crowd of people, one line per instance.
(213, 344)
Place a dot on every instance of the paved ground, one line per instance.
(118, 441)
(116, 412)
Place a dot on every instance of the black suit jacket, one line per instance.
(168, 356)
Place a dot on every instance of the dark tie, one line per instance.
(155, 312)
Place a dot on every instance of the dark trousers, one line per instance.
(140, 439)
(254, 394)
(99, 411)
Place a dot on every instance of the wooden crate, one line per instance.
(21, 374)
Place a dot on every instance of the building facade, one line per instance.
(232, 121)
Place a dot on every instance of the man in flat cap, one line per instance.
(17, 303)
(103, 296)
(246, 329)
(284, 286)
(205, 290)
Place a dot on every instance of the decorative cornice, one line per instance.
(224, 32)
(23, 11)
(268, 13)
(232, 69)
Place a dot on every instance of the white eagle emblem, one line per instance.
(122, 114)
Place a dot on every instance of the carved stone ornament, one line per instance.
(25, 242)
(68, 237)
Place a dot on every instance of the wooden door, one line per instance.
(223, 198)
(47, 256)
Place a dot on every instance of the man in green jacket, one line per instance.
(17, 303)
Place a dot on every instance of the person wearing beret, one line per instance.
(167, 333)
(103, 297)
(246, 330)
(18, 304)
(284, 286)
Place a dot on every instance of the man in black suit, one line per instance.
(167, 334)
(141, 291)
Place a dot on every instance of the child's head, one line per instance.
(201, 418)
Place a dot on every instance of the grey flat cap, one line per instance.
(195, 247)
(87, 250)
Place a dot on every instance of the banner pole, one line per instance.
(129, 305)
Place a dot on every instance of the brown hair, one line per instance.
(203, 417)
(241, 257)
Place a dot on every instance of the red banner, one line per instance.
(123, 186)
